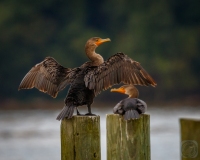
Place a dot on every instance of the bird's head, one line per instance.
(129, 90)
(94, 42)
(90, 47)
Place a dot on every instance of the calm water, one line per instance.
(34, 135)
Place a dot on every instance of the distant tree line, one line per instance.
(164, 36)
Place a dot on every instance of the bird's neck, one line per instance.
(96, 59)
(133, 96)
(133, 93)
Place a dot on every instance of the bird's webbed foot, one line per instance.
(90, 114)
(79, 114)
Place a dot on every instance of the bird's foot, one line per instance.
(90, 114)
(78, 113)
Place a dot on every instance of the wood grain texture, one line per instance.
(80, 138)
(128, 140)
(190, 139)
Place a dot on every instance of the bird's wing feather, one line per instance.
(142, 106)
(48, 77)
(118, 68)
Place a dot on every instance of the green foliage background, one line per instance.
(164, 36)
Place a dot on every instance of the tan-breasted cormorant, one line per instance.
(85, 81)
(131, 107)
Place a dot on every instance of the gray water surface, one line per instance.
(35, 134)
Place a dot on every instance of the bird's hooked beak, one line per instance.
(100, 41)
(119, 90)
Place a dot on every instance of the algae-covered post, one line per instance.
(80, 138)
(128, 139)
(190, 139)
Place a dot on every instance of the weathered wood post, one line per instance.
(128, 140)
(190, 139)
(80, 138)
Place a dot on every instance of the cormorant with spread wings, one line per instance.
(85, 81)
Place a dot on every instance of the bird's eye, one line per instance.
(97, 40)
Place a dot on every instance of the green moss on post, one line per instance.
(190, 139)
(80, 138)
(128, 140)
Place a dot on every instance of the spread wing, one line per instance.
(118, 68)
(48, 77)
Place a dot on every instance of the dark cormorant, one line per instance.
(131, 107)
(85, 81)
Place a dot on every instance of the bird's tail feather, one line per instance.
(131, 114)
(67, 112)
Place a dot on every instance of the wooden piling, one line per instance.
(128, 140)
(80, 138)
(190, 139)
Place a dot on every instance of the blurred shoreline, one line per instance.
(13, 104)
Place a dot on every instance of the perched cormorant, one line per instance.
(85, 81)
(131, 107)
